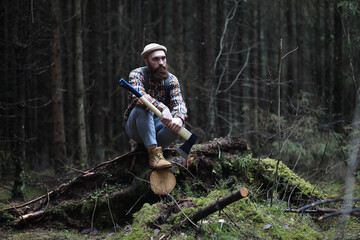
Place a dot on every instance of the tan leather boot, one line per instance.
(157, 160)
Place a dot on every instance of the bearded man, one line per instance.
(162, 89)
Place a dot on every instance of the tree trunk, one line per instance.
(300, 42)
(327, 80)
(338, 86)
(318, 51)
(18, 147)
(68, 78)
(289, 76)
(97, 76)
(109, 122)
(179, 22)
(80, 91)
(57, 96)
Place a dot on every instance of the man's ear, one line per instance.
(146, 61)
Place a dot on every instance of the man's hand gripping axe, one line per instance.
(190, 138)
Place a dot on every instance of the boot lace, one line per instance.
(158, 157)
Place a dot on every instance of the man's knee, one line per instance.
(141, 112)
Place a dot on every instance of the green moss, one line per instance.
(143, 221)
(306, 190)
(43, 234)
(147, 213)
(7, 219)
(267, 222)
(87, 209)
(58, 211)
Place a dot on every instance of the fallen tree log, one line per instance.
(111, 192)
(111, 185)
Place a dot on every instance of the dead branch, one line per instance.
(317, 210)
(28, 203)
(217, 205)
(326, 201)
(352, 212)
(30, 217)
(330, 212)
(63, 186)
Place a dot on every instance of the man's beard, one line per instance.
(158, 74)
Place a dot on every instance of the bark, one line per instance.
(109, 130)
(80, 91)
(179, 22)
(300, 41)
(338, 85)
(18, 148)
(57, 96)
(327, 80)
(97, 78)
(69, 83)
(317, 49)
(291, 88)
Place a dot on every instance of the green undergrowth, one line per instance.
(249, 218)
(54, 234)
(243, 219)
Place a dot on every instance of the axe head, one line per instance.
(184, 149)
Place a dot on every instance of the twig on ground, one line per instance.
(134, 204)
(330, 212)
(352, 212)
(326, 201)
(93, 215)
(71, 168)
(111, 216)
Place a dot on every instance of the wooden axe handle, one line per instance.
(183, 132)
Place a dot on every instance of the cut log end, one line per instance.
(30, 217)
(162, 182)
(244, 192)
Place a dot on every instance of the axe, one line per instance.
(190, 138)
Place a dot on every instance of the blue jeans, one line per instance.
(145, 127)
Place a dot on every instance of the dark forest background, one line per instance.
(282, 74)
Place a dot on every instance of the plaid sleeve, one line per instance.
(136, 79)
(177, 102)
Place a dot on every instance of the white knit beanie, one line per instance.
(152, 47)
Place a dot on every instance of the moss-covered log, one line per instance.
(111, 192)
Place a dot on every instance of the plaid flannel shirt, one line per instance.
(156, 95)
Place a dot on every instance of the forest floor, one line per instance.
(247, 218)
(253, 217)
